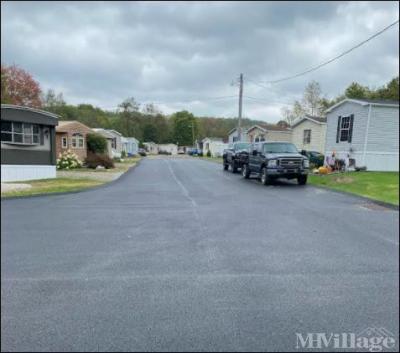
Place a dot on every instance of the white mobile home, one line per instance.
(170, 148)
(216, 146)
(366, 132)
(308, 133)
(130, 145)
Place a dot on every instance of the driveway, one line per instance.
(178, 255)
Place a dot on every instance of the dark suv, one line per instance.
(271, 160)
(235, 156)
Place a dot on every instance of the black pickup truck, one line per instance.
(272, 160)
(235, 156)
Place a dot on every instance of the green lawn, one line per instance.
(70, 182)
(48, 186)
(382, 186)
(126, 164)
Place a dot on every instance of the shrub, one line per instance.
(68, 160)
(208, 153)
(93, 160)
(96, 143)
(123, 154)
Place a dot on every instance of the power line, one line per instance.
(329, 61)
(266, 101)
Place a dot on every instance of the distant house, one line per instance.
(168, 148)
(233, 135)
(269, 132)
(130, 145)
(308, 133)
(114, 138)
(71, 135)
(28, 143)
(214, 145)
(262, 132)
(151, 147)
(366, 132)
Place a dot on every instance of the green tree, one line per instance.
(96, 143)
(129, 117)
(184, 128)
(389, 91)
(150, 133)
(355, 90)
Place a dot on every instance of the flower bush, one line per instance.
(68, 160)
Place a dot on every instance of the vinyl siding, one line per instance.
(383, 133)
(276, 136)
(382, 151)
(235, 134)
(359, 127)
(318, 132)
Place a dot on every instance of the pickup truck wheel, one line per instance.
(233, 167)
(264, 176)
(245, 171)
(226, 166)
(302, 180)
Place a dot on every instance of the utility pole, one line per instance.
(193, 133)
(240, 107)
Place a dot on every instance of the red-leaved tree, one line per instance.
(18, 87)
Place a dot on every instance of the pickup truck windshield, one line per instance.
(241, 146)
(280, 148)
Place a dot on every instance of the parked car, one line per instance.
(235, 156)
(272, 160)
(192, 151)
(316, 159)
(142, 152)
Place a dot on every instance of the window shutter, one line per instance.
(351, 128)
(338, 128)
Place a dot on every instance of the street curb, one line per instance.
(363, 198)
(91, 188)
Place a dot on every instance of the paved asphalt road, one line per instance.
(179, 255)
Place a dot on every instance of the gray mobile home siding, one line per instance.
(359, 127)
(383, 134)
(45, 154)
(380, 150)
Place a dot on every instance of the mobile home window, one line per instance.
(77, 141)
(64, 142)
(23, 133)
(344, 128)
(306, 137)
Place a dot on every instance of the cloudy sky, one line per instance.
(182, 55)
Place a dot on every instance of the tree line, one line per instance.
(147, 123)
